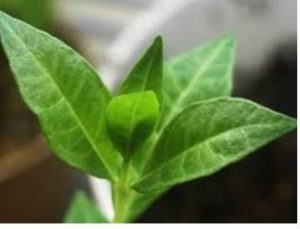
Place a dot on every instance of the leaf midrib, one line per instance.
(175, 107)
(149, 67)
(158, 133)
(72, 111)
(131, 127)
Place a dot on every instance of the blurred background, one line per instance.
(36, 187)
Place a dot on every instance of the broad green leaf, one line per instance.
(209, 135)
(66, 94)
(130, 119)
(146, 75)
(83, 210)
(200, 74)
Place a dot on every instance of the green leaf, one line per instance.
(197, 75)
(83, 210)
(146, 75)
(130, 120)
(209, 135)
(65, 92)
(200, 74)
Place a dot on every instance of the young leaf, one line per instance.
(209, 135)
(200, 74)
(83, 210)
(130, 120)
(203, 73)
(146, 75)
(66, 94)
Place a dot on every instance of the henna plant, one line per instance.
(167, 124)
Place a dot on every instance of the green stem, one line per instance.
(122, 196)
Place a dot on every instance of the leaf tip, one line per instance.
(4, 20)
(231, 39)
(158, 40)
(157, 45)
(3, 15)
(292, 123)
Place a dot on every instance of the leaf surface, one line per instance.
(130, 119)
(65, 92)
(200, 74)
(83, 210)
(209, 135)
(146, 75)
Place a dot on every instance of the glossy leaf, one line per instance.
(131, 119)
(197, 75)
(146, 75)
(83, 210)
(208, 136)
(66, 94)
